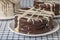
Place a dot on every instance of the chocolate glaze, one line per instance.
(35, 15)
(28, 14)
(47, 7)
(25, 8)
(16, 21)
(35, 28)
(56, 11)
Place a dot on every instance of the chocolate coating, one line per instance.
(16, 21)
(35, 28)
(25, 8)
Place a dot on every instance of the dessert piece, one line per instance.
(35, 22)
(54, 7)
(2, 14)
(10, 9)
(6, 9)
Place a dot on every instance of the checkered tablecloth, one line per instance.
(6, 34)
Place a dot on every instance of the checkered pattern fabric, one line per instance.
(6, 34)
